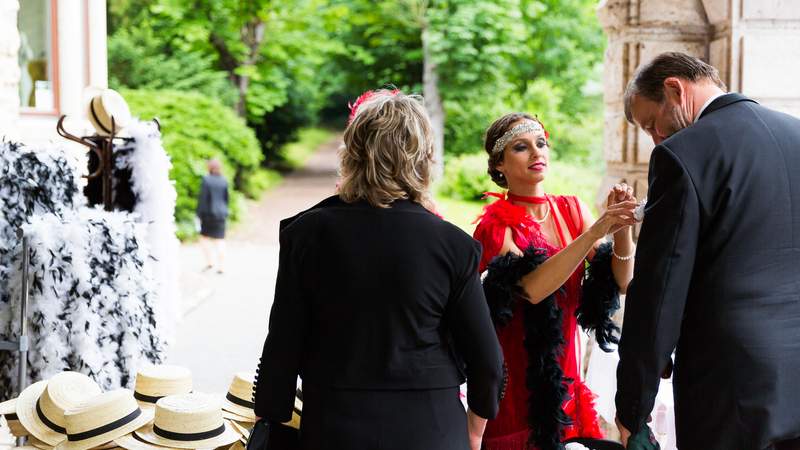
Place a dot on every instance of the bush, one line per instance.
(261, 181)
(196, 128)
(466, 178)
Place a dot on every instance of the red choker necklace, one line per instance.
(523, 199)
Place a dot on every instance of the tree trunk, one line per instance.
(243, 83)
(433, 102)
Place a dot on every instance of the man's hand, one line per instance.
(624, 434)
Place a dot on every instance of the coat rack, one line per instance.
(103, 148)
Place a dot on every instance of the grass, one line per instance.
(563, 178)
(308, 140)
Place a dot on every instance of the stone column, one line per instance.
(754, 43)
(9, 66)
(637, 31)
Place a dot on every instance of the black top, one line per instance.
(377, 298)
(212, 203)
(717, 280)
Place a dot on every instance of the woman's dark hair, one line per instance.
(648, 81)
(495, 132)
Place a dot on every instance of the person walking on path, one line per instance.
(212, 210)
(378, 303)
(716, 278)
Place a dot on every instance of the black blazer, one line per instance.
(377, 298)
(212, 203)
(717, 279)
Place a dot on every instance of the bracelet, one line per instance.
(622, 258)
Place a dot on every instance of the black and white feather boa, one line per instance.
(93, 296)
(32, 181)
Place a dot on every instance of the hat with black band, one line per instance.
(41, 406)
(186, 421)
(237, 403)
(102, 419)
(107, 109)
(8, 409)
(155, 382)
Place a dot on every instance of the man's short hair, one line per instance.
(648, 81)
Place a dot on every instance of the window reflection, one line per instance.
(36, 55)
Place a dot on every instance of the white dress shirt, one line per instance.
(705, 105)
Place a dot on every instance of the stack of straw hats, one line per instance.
(70, 412)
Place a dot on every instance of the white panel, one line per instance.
(770, 64)
(771, 9)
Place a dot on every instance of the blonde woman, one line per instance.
(378, 305)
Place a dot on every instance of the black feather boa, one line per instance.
(544, 343)
(600, 299)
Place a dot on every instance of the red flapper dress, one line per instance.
(510, 429)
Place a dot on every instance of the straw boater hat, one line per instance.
(102, 419)
(105, 104)
(156, 382)
(41, 406)
(242, 430)
(187, 421)
(8, 409)
(238, 404)
(35, 443)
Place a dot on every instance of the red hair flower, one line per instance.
(363, 98)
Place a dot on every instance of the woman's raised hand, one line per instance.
(617, 216)
(620, 193)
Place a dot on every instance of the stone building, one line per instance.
(754, 43)
(50, 52)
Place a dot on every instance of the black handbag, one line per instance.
(267, 435)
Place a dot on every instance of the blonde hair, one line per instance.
(388, 151)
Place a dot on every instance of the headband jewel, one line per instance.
(527, 127)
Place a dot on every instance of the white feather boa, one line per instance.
(94, 296)
(155, 205)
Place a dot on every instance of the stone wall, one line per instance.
(754, 43)
(9, 67)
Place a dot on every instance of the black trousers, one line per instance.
(383, 420)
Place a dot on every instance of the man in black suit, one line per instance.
(717, 275)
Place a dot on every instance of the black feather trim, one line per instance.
(544, 343)
(501, 284)
(600, 299)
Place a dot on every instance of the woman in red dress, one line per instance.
(539, 289)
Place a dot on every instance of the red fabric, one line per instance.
(509, 430)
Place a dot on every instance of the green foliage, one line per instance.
(137, 63)
(260, 181)
(466, 178)
(195, 129)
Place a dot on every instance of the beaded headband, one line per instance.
(527, 127)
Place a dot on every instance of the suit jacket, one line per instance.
(213, 200)
(377, 298)
(717, 280)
